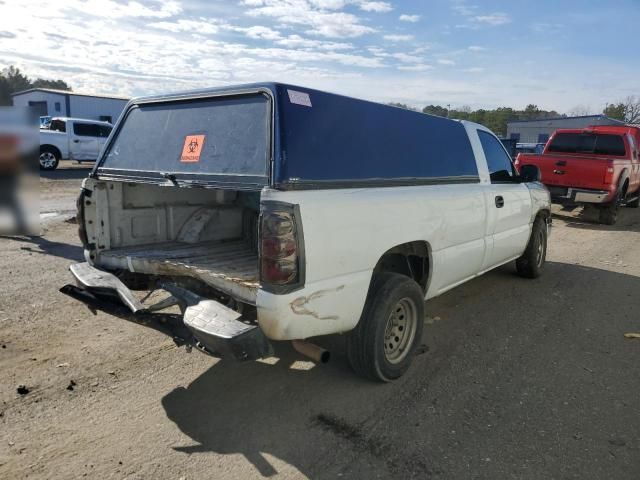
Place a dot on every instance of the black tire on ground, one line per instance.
(383, 344)
(609, 213)
(531, 263)
(49, 158)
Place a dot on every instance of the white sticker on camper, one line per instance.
(299, 98)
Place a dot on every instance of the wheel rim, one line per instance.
(541, 249)
(47, 159)
(400, 330)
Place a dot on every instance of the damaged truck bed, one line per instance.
(231, 267)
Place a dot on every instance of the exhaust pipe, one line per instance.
(311, 350)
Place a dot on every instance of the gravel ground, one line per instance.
(523, 379)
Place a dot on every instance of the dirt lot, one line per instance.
(523, 379)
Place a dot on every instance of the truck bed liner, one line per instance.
(231, 267)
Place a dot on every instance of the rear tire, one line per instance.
(49, 158)
(383, 344)
(609, 214)
(531, 263)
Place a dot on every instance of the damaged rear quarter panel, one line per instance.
(321, 308)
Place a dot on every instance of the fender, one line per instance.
(624, 176)
(53, 147)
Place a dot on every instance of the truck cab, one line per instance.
(72, 138)
(270, 212)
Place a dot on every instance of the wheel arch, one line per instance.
(623, 181)
(412, 259)
(47, 147)
(543, 213)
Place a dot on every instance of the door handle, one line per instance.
(499, 201)
(76, 141)
(561, 163)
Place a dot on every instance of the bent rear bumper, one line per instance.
(205, 324)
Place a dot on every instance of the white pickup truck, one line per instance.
(73, 138)
(269, 212)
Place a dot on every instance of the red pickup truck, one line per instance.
(597, 165)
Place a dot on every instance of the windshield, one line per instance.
(600, 144)
(222, 136)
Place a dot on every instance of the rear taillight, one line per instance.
(608, 175)
(281, 259)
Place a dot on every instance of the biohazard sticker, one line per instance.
(192, 148)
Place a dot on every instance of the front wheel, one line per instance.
(383, 344)
(531, 263)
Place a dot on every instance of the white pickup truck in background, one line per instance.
(269, 212)
(73, 138)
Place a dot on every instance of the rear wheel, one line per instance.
(609, 213)
(383, 344)
(49, 158)
(531, 263)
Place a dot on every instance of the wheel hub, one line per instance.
(47, 159)
(400, 330)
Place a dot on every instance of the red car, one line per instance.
(597, 165)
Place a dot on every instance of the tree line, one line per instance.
(627, 110)
(13, 80)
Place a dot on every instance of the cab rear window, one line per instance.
(599, 144)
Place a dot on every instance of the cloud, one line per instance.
(398, 38)
(259, 32)
(474, 70)
(464, 9)
(409, 18)
(113, 9)
(493, 18)
(446, 61)
(546, 27)
(379, 7)
(471, 12)
(323, 16)
(476, 48)
(296, 41)
(415, 68)
(181, 25)
(406, 58)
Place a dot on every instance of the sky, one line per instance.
(571, 56)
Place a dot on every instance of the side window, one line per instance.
(499, 163)
(104, 131)
(58, 126)
(85, 129)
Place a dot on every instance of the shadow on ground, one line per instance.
(76, 173)
(40, 245)
(587, 219)
(524, 379)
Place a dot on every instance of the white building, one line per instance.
(61, 103)
(539, 131)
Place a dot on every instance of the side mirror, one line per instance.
(530, 173)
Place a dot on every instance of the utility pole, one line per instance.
(448, 108)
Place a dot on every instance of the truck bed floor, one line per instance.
(231, 267)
